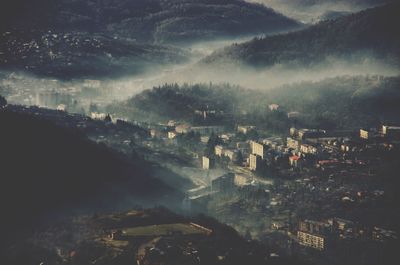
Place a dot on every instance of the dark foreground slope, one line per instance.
(46, 168)
(153, 236)
(370, 33)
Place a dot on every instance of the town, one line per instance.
(304, 193)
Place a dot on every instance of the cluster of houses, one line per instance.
(321, 234)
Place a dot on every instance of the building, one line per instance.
(231, 154)
(245, 129)
(258, 149)
(295, 161)
(310, 133)
(172, 135)
(313, 234)
(391, 131)
(293, 115)
(380, 234)
(219, 150)
(293, 132)
(314, 227)
(292, 143)
(204, 139)
(308, 149)
(364, 134)
(311, 240)
(207, 163)
(255, 162)
(367, 134)
(182, 128)
(273, 107)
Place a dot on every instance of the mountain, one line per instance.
(370, 33)
(308, 3)
(311, 10)
(46, 168)
(146, 20)
(104, 38)
(81, 54)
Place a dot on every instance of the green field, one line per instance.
(162, 230)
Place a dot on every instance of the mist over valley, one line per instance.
(199, 132)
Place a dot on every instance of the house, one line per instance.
(232, 154)
(308, 149)
(293, 132)
(293, 115)
(172, 135)
(380, 234)
(182, 128)
(62, 107)
(391, 131)
(154, 133)
(295, 161)
(219, 150)
(245, 129)
(292, 143)
(273, 107)
(204, 139)
(311, 133)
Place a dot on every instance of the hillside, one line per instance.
(341, 102)
(311, 10)
(80, 54)
(146, 20)
(370, 33)
(46, 168)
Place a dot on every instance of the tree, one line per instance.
(3, 102)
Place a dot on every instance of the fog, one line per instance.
(104, 91)
(266, 78)
(311, 11)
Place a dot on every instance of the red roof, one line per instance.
(295, 158)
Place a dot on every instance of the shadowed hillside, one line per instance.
(46, 168)
(368, 33)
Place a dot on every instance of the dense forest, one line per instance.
(369, 33)
(341, 102)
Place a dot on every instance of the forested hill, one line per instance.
(373, 32)
(146, 20)
(45, 168)
(341, 102)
